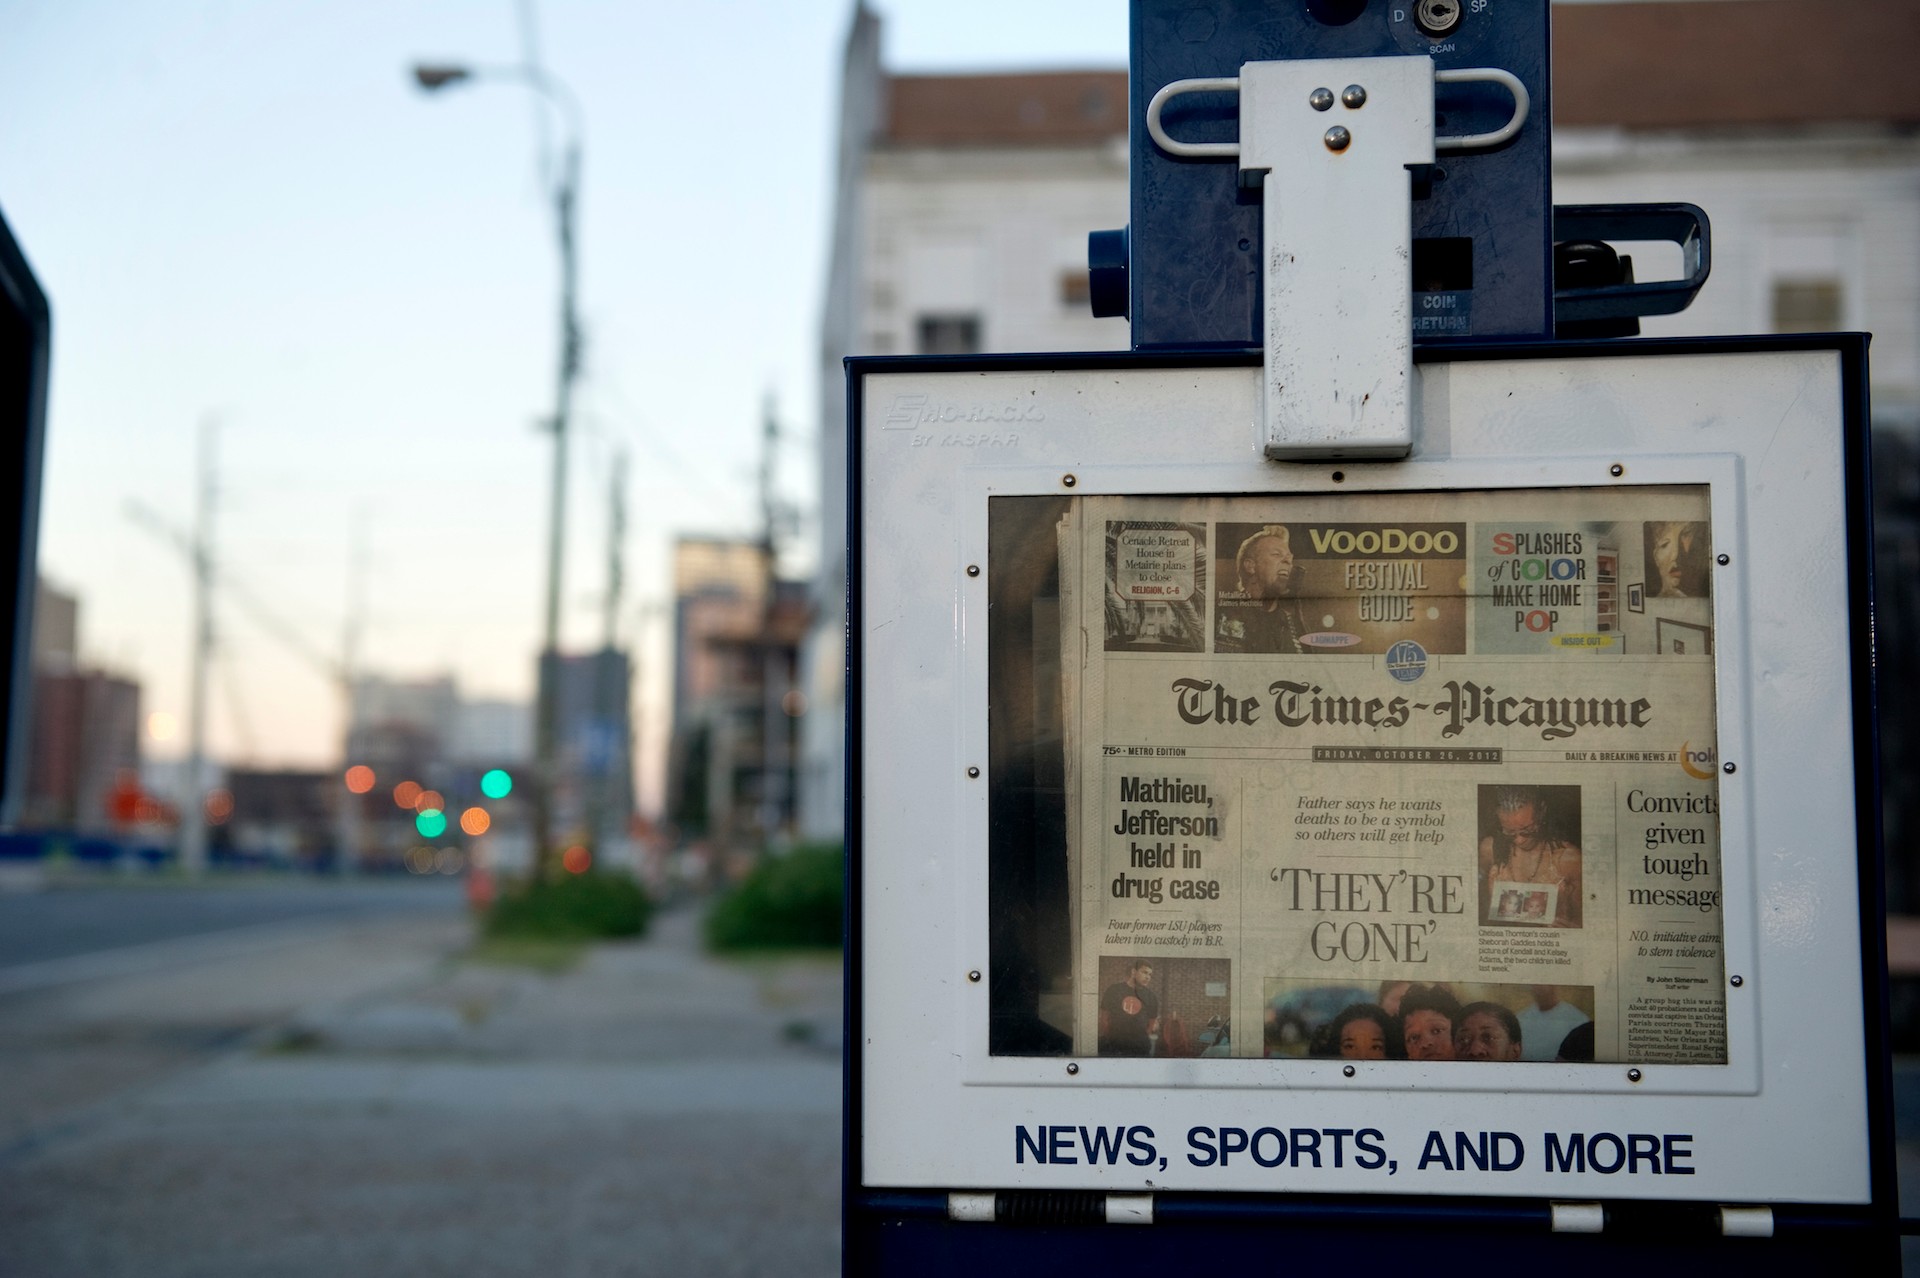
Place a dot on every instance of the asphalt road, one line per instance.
(39, 926)
(320, 1081)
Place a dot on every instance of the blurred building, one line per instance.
(593, 788)
(399, 725)
(719, 586)
(491, 733)
(961, 210)
(962, 206)
(284, 816)
(86, 741)
(422, 736)
(1796, 126)
(1792, 123)
(415, 724)
(56, 627)
(733, 746)
(83, 753)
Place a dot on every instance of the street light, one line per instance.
(432, 77)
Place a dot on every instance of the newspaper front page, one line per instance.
(1422, 776)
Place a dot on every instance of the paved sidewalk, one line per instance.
(384, 1109)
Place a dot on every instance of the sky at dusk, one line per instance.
(246, 214)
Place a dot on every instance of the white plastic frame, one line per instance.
(1739, 1075)
(1784, 1120)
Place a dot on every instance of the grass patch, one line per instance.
(770, 962)
(574, 907)
(788, 903)
(547, 957)
(296, 1040)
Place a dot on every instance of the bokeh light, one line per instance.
(449, 860)
(431, 822)
(475, 821)
(419, 860)
(430, 799)
(496, 784)
(162, 726)
(406, 795)
(359, 778)
(219, 806)
(576, 859)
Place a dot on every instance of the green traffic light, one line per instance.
(496, 784)
(432, 823)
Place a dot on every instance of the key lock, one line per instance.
(1337, 235)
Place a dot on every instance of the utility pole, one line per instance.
(193, 813)
(565, 194)
(774, 725)
(352, 631)
(616, 547)
(547, 713)
(610, 691)
(196, 548)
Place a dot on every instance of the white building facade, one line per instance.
(961, 215)
(1810, 234)
(963, 204)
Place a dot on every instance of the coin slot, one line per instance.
(1442, 264)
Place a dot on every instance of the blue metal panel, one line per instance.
(26, 327)
(1195, 233)
(1335, 1241)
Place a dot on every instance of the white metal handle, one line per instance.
(1194, 150)
(1522, 105)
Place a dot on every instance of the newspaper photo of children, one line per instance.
(1364, 1032)
(1529, 868)
(1525, 904)
(1429, 1021)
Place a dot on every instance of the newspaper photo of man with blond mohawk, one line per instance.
(1530, 855)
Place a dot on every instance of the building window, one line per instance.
(1808, 306)
(949, 334)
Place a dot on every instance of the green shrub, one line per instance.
(574, 907)
(788, 902)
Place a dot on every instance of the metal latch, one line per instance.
(1732, 1221)
(1337, 136)
(1049, 1207)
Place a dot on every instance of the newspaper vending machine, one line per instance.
(1354, 787)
